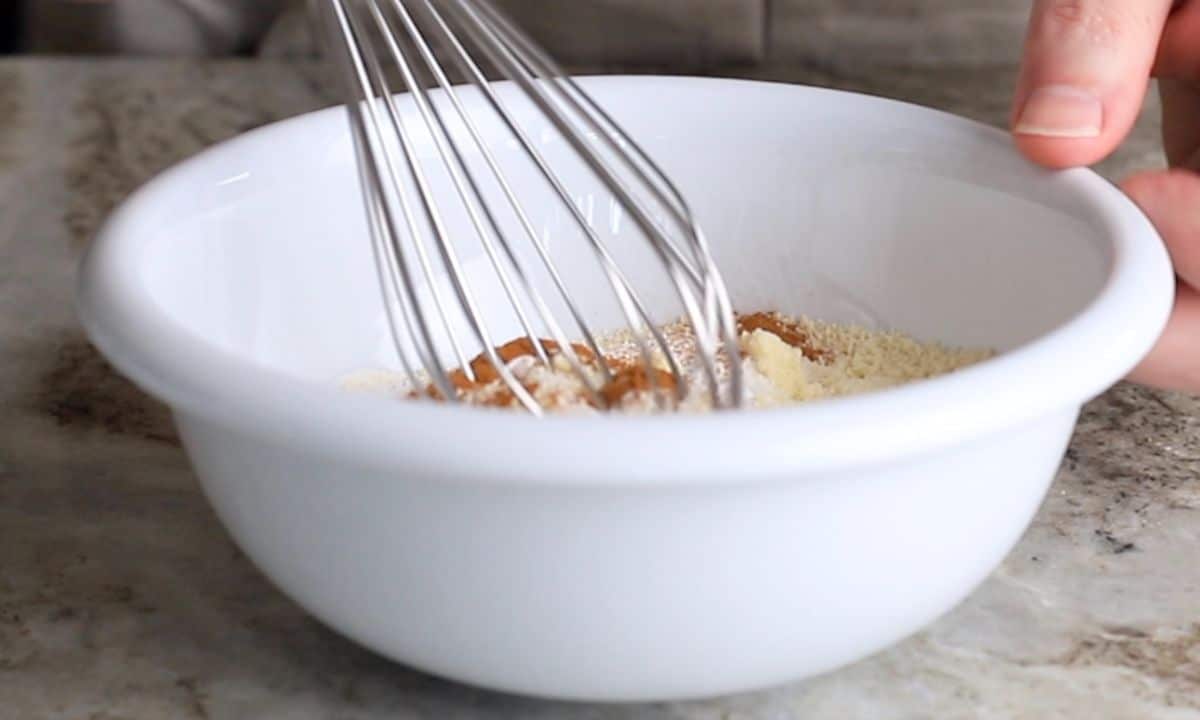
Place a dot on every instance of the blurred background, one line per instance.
(730, 36)
(143, 27)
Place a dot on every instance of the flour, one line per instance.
(784, 361)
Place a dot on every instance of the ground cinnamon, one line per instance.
(852, 360)
(634, 378)
(485, 373)
(786, 331)
(520, 347)
(627, 376)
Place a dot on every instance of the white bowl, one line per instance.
(640, 558)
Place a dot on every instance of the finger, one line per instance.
(1181, 121)
(1178, 66)
(1179, 49)
(1084, 76)
(1171, 200)
(1174, 363)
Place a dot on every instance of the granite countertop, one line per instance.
(121, 598)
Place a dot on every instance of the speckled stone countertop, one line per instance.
(121, 598)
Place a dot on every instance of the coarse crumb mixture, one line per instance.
(784, 361)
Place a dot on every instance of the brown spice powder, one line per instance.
(785, 330)
(629, 374)
(634, 378)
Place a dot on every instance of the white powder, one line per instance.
(783, 360)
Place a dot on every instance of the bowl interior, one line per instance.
(844, 207)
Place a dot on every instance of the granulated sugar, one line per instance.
(783, 360)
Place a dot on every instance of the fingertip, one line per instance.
(1171, 364)
(1169, 199)
(1058, 153)
(1168, 192)
(1142, 187)
(1083, 78)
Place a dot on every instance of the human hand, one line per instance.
(1084, 77)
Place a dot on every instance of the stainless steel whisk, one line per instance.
(385, 46)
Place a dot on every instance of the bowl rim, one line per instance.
(1060, 370)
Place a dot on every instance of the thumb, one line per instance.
(1084, 76)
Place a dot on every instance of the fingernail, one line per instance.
(1061, 111)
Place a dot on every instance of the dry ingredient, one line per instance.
(784, 361)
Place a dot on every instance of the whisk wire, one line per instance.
(637, 317)
(719, 315)
(460, 174)
(452, 160)
(381, 220)
(560, 92)
(546, 316)
(429, 206)
(598, 121)
(636, 184)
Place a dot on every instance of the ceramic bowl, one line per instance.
(630, 558)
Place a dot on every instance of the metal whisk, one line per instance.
(386, 46)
